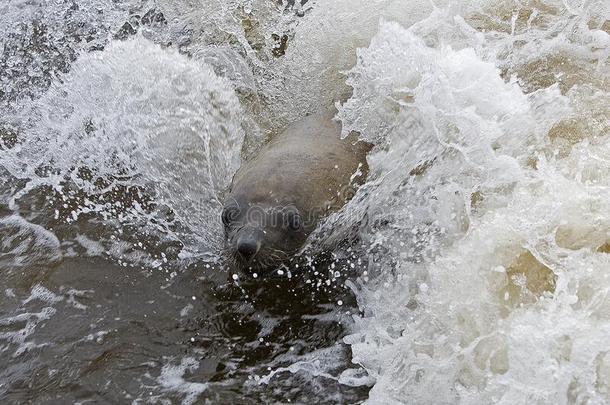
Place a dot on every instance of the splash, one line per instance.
(483, 225)
(132, 121)
(486, 281)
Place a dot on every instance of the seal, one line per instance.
(278, 197)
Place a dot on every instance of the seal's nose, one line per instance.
(247, 248)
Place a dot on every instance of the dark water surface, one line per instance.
(112, 334)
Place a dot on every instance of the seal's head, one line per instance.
(278, 197)
(260, 235)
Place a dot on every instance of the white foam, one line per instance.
(38, 292)
(23, 243)
(172, 380)
(318, 363)
(472, 172)
(19, 337)
(94, 248)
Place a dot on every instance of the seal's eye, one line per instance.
(229, 215)
(293, 220)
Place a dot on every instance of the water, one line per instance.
(470, 268)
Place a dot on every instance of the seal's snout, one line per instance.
(247, 247)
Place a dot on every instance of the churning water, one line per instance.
(472, 267)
